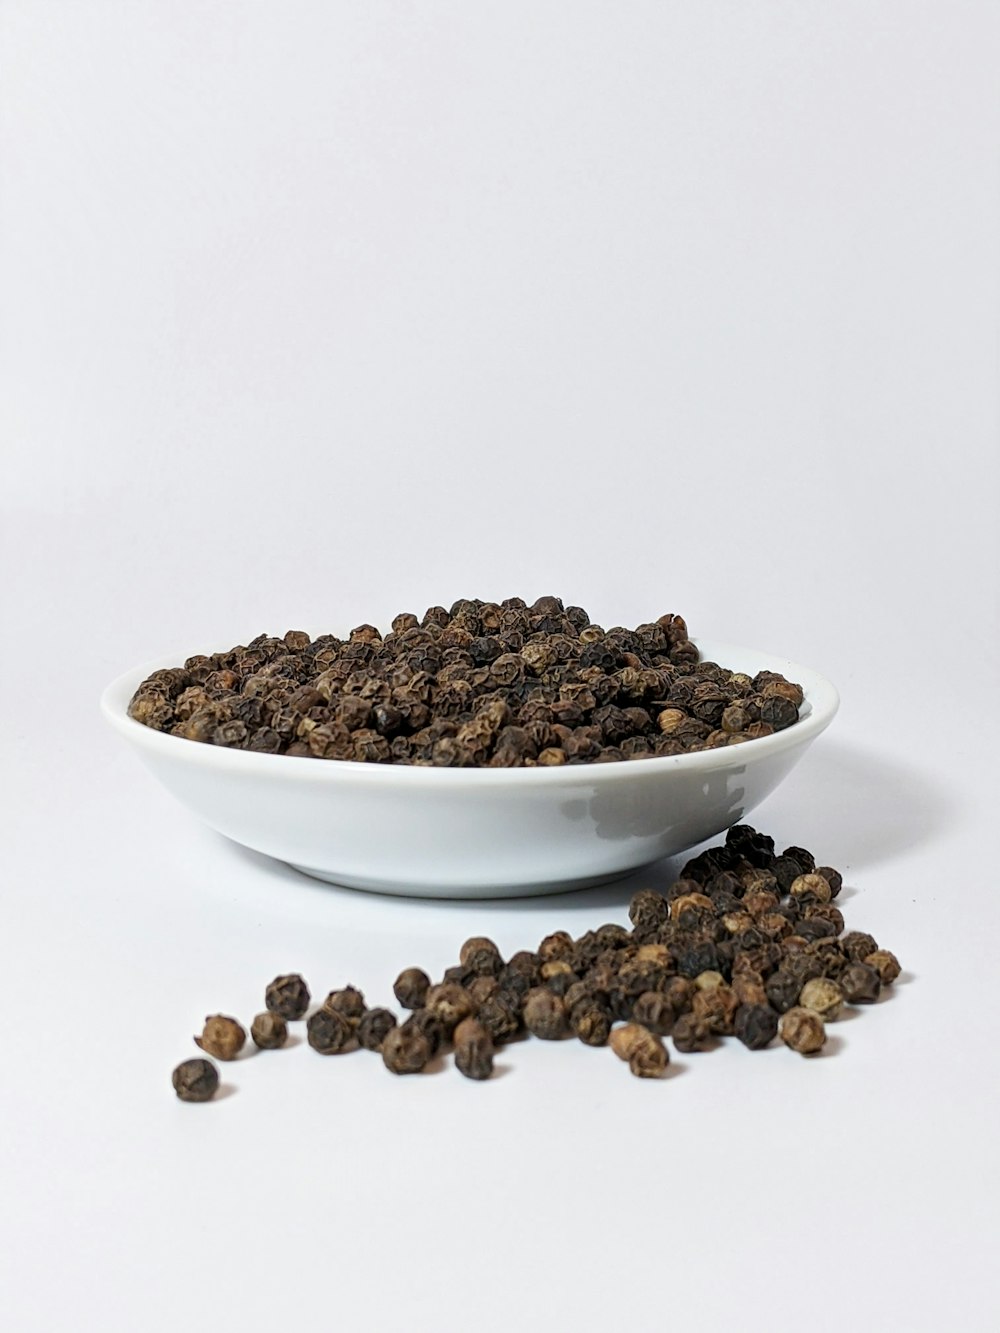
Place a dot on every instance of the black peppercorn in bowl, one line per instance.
(477, 832)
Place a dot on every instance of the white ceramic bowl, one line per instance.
(476, 832)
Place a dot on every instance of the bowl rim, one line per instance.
(821, 696)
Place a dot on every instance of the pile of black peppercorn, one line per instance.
(492, 684)
(746, 943)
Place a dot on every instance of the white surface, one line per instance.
(475, 833)
(319, 311)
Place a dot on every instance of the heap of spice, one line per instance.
(747, 943)
(500, 685)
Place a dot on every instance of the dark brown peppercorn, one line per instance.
(373, 1028)
(473, 1049)
(691, 1034)
(544, 1014)
(653, 1010)
(195, 1080)
(449, 1003)
(349, 1002)
(500, 1014)
(860, 983)
(591, 1022)
(466, 687)
(405, 1050)
(287, 996)
(857, 946)
(755, 1025)
(410, 988)
(222, 1037)
(269, 1031)
(329, 1031)
(647, 910)
(481, 957)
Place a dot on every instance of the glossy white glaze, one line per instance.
(476, 833)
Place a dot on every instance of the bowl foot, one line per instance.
(434, 889)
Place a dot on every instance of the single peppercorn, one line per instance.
(755, 1025)
(886, 964)
(405, 1050)
(857, 945)
(222, 1037)
(653, 1010)
(860, 983)
(544, 1014)
(500, 1014)
(591, 1022)
(287, 996)
(373, 1028)
(411, 987)
(647, 910)
(473, 1049)
(810, 888)
(269, 1031)
(823, 997)
(481, 957)
(329, 1031)
(349, 1001)
(691, 1034)
(195, 1080)
(802, 1030)
(449, 1003)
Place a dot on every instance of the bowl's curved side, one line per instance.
(480, 832)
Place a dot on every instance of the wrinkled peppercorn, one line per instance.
(222, 1037)
(476, 686)
(860, 983)
(473, 1049)
(405, 1050)
(373, 1028)
(755, 1025)
(411, 987)
(195, 1080)
(329, 1031)
(645, 1052)
(288, 997)
(269, 1031)
(544, 1014)
(802, 1030)
(823, 997)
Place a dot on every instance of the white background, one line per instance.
(314, 312)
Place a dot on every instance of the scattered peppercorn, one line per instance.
(373, 1028)
(329, 1031)
(802, 1030)
(544, 1014)
(645, 1052)
(755, 1025)
(411, 987)
(473, 1049)
(269, 1031)
(823, 997)
(287, 996)
(222, 1037)
(405, 1050)
(195, 1080)
(745, 943)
